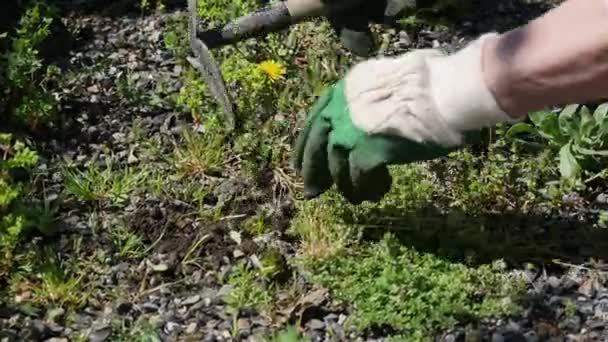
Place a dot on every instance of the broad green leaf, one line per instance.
(587, 122)
(591, 152)
(568, 123)
(520, 127)
(569, 110)
(549, 129)
(601, 112)
(539, 116)
(568, 166)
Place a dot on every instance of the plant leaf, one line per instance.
(588, 123)
(520, 127)
(600, 113)
(591, 152)
(568, 123)
(538, 117)
(568, 166)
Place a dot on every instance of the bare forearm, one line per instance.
(558, 58)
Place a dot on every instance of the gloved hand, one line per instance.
(385, 111)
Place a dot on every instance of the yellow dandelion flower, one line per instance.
(274, 70)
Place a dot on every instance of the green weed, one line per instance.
(20, 215)
(290, 334)
(576, 135)
(219, 12)
(27, 98)
(128, 244)
(103, 186)
(389, 284)
(202, 153)
(246, 292)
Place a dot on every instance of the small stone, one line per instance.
(585, 308)
(332, 317)
(191, 328)
(315, 324)
(94, 89)
(572, 324)
(553, 281)
(149, 307)
(162, 267)
(191, 300)
(244, 324)
(498, 337)
(172, 327)
(224, 291)
(119, 137)
(601, 310)
(596, 325)
(235, 236)
(449, 338)
(602, 198)
(531, 336)
(100, 333)
(54, 314)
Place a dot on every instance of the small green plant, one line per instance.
(128, 244)
(26, 80)
(387, 283)
(221, 11)
(100, 185)
(577, 135)
(18, 217)
(289, 334)
(247, 292)
(202, 153)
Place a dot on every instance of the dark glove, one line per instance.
(352, 26)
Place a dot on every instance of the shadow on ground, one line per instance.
(517, 239)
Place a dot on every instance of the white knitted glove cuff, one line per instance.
(423, 95)
(459, 90)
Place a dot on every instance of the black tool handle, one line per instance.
(269, 19)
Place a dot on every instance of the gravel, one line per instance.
(569, 304)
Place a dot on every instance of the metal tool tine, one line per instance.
(205, 63)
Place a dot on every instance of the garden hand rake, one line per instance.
(272, 18)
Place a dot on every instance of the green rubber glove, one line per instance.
(332, 150)
(392, 111)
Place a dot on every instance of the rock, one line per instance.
(244, 325)
(572, 324)
(191, 328)
(54, 314)
(585, 308)
(315, 324)
(601, 198)
(224, 291)
(191, 300)
(531, 336)
(162, 267)
(498, 337)
(601, 310)
(554, 282)
(100, 333)
(149, 307)
(172, 327)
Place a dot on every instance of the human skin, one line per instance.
(558, 58)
